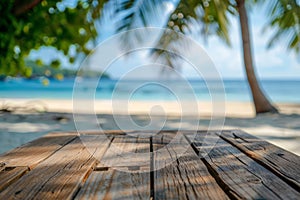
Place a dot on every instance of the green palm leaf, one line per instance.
(285, 20)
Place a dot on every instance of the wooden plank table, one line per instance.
(148, 165)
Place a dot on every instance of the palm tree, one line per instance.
(212, 15)
(261, 103)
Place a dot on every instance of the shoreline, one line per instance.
(21, 125)
(238, 109)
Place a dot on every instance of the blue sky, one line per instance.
(274, 63)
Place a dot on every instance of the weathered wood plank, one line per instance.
(2, 166)
(128, 152)
(114, 184)
(242, 166)
(57, 177)
(26, 157)
(122, 176)
(32, 153)
(101, 132)
(281, 162)
(179, 173)
(10, 174)
(239, 175)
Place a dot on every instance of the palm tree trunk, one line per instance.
(261, 103)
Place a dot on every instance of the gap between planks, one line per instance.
(281, 162)
(194, 181)
(19, 161)
(238, 174)
(231, 188)
(59, 176)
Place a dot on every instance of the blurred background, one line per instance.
(253, 44)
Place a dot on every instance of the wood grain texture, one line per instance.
(58, 177)
(179, 173)
(128, 152)
(10, 174)
(121, 176)
(115, 184)
(32, 153)
(239, 175)
(281, 162)
(2, 166)
(120, 165)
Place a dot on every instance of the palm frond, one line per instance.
(169, 47)
(209, 17)
(285, 19)
(205, 17)
(136, 13)
(132, 14)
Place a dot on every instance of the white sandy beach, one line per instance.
(27, 122)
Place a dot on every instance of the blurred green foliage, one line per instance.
(25, 26)
(40, 70)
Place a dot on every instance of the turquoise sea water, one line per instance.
(236, 90)
(13, 134)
